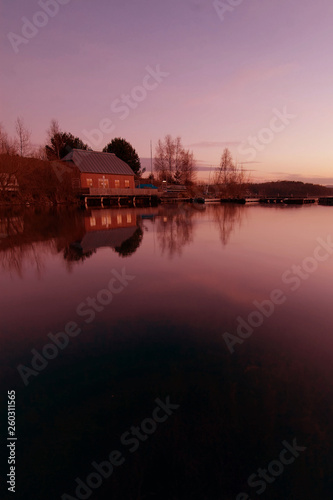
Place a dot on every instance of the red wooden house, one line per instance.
(100, 170)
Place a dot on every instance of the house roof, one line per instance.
(106, 238)
(95, 162)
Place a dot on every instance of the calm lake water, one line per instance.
(155, 364)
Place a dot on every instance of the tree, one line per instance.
(39, 153)
(9, 168)
(23, 134)
(61, 143)
(172, 162)
(125, 151)
(188, 167)
(229, 178)
(7, 146)
(226, 171)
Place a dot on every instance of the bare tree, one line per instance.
(160, 163)
(23, 134)
(188, 167)
(172, 162)
(54, 138)
(230, 178)
(39, 153)
(178, 152)
(226, 170)
(7, 146)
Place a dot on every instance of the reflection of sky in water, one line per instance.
(192, 266)
(195, 273)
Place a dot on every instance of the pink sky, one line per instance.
(224, 78)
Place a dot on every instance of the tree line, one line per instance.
(59, 143)
(173, 163)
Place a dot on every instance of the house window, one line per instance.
(119, 219)
(116, 183)
(129, 218)
(127, 184)
(92, 221)
(106, 221)
(103, 183)
(89, 183)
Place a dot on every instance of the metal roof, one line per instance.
(94, 162)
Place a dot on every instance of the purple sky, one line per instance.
(230, 77)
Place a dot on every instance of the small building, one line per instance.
(101, 171)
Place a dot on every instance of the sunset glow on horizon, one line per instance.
(256, 78)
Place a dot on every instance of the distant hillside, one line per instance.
(289, 188)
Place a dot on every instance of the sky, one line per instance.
(251, 75)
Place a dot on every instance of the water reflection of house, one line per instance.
(106, 228)
(107, 219)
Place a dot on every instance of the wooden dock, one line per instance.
(328, 201)
(104, 198)
(239, 201)
(93, 197)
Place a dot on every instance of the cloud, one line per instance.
(212, 144)
(249, 162)
(243, 79)
(254, 74)
(203, 168)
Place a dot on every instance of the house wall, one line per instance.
(108, 181)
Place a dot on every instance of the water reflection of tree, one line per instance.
(28, 236)
(73, 254)
(227, 218)
(175, 229)
(130, 246)
(13, 258)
